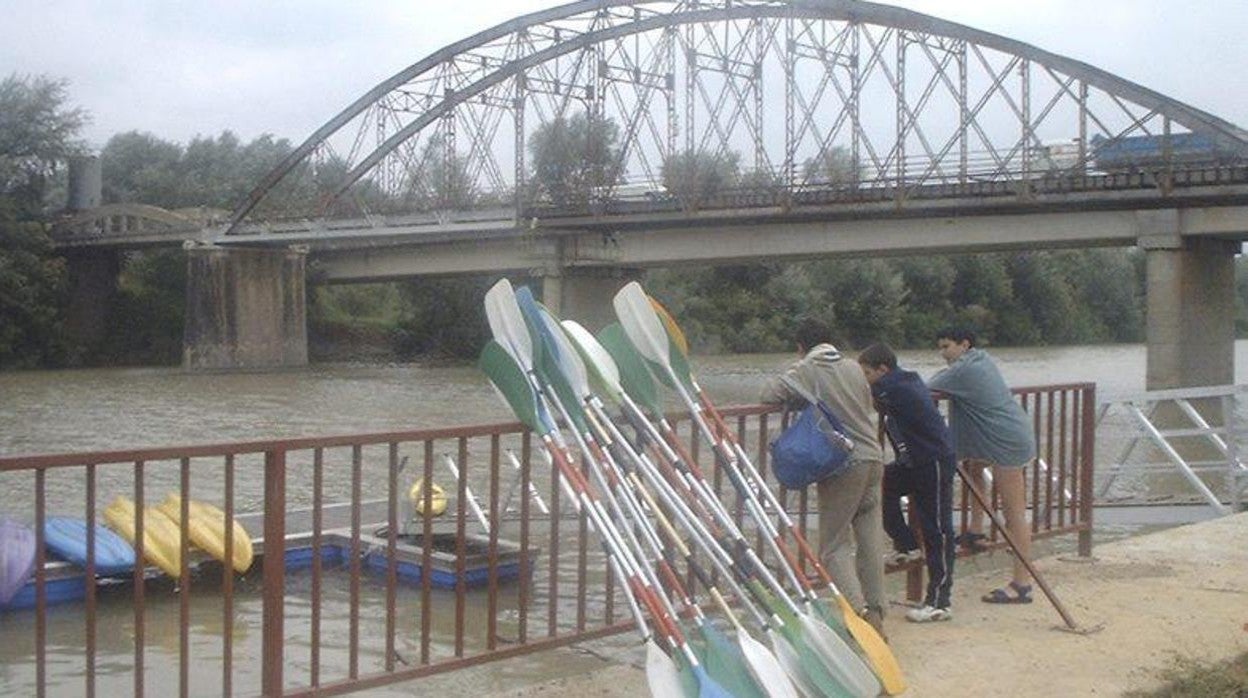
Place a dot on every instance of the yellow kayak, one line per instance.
(206, 530)
(162, 539)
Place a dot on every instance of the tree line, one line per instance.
(1018, 298)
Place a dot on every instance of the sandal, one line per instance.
(973, 542)
(1022, 594)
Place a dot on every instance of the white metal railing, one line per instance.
(1184, 425)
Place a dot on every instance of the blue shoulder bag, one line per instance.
(804, 454)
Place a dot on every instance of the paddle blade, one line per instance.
(707, 687)
(839, 658)
(507, 324)
(727, 665)
(513, 385)
(662, 677)
(545, 326)
(880, 656)
(635, 378)
(599, 362)
(834, 617)
(765, 668)
(791, 663)
(641, 324)
(674, 332)
(558, 366)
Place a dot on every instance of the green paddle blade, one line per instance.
(773, 604)
(833, 618)
(513, 385)
(726, 664)
(635, 378)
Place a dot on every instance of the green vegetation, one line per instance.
(694, 177)
(1187, 678)
(38, 133)
(572, 157)
(1026, 298)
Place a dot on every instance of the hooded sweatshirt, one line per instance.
(919, 432)
(840, 384)
(988, 424)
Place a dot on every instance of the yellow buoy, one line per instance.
(437, 497)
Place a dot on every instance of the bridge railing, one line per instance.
(346, 594)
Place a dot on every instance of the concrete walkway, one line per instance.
(1178, 592)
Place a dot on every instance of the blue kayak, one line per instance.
(67, 539)
(17, 557)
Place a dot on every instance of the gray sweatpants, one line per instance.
(851, 533)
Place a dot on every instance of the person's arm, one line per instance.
(775, 392)
(951, 380)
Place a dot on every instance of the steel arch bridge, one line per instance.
(894, 100)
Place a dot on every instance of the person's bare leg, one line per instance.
(975, 469)
(1011, 484)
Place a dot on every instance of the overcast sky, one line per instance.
(181, 69)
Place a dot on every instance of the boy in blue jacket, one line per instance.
(924, 470)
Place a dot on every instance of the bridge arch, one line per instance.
(962, 103)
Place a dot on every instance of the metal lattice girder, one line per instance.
(904, 98)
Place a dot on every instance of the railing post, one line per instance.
(1087, 444)
(274, 572)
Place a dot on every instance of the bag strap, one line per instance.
(806, 395)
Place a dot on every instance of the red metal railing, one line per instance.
(533, 581)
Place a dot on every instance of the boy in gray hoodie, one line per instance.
(851, 529)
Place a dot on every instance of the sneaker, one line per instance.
(898, 557)
(928, 614)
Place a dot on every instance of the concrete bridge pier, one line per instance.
(585, 294)
(245, 308)
(1191, 309)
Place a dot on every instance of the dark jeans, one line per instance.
(930, 486)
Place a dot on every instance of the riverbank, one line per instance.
(1181, 592)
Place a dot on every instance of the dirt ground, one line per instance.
(1178, 592)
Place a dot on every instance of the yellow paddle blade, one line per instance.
(879, 655)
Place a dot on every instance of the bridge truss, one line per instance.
(894, 100)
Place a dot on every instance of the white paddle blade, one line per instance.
(765, 668)
(839, 658)
(642, 325)
(595, 356)
(791, 663)
(662, 676)
(507, 324)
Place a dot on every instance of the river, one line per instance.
(101, 409)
